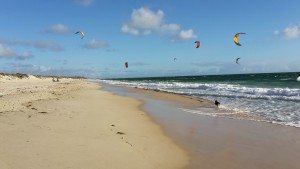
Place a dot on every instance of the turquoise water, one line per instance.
(260, 80)
(275, 97)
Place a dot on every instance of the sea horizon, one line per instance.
(226, 74)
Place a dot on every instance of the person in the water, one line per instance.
(217, 103)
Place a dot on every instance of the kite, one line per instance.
(175, 59)
(236, 38)
(81, 34)
(197, 44)
(126, 64)
(237, 60)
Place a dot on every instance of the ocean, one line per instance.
(270, 97)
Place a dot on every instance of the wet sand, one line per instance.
(219, 142)
(75, 124)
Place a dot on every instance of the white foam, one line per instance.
(207, 113)
(292, 124)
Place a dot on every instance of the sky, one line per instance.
(37, 37)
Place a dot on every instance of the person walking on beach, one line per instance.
(217, 103)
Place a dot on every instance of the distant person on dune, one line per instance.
(217, 103)
(53, 80)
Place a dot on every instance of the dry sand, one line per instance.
(73, 124)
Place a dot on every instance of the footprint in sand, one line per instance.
(121, 133)
(129, 143)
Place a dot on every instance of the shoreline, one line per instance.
(191, 103)
(75, 124)
(219, 142)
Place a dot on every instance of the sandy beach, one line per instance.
(75, 124)
(91, 84)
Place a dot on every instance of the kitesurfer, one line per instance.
(237, 60)
(217, 103)
(197, 44)
(81, 34)
(236, 38)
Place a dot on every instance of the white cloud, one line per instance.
(58, 29)
(6, 52)
(39, 44)
(45, 45)
(145, 21)
(170, 28)
(144, 18)
(126, 29)
(85, 2)
(292, 32)
(95, 44)
(187, 34)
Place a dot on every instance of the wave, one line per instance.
(229, 114)
(217, 89)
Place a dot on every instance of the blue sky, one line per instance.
(38, 37)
